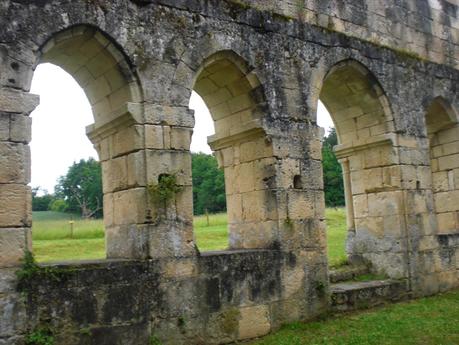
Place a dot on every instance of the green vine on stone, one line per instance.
(40, 336)
(165, 190)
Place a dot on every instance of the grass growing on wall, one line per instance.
(52, 240)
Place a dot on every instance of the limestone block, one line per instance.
(234, 208)
(451, 148)
(293, 281)
(252, 235)
(254, 322)
(360, 205)
(232, 180)
(7, 280)
(127, 242)
(109, 216)
(393, 225)
(227, 155)
(265, 173)
(440, 181)
(127, 140)
(385, 203)
(180, 138)
(259, 205)
(184, 205)
(130, 206)
(20, 128)
(170, 116)
(392, 176)
(448, 162)
(300, 205)
(114, 174)
(15, 101)
(4, 126)
(104, 148)
(14, 163)
(171, 239)
(14, 317)
(449, 135)
(13, 243)
(255, 149)
(373, 179)
(136, 169)
(447, 201)
(246, 177)
(15, 205)
(286, 172)
(183, 268)
(169, 162)
(154, 137)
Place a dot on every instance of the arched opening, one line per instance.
(210, 223)
(102, 72)
(443, 133)
(360, 112)
(233, 95)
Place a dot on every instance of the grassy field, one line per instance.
(53, 241)
(427, 321)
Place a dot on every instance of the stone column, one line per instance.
(350, 221)
(140, 145)
(15, 194)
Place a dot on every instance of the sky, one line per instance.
(58, 125)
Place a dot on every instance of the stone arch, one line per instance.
(363, 120)
(234, 95)
(97, 64)
(442, 129)
(104, 72)
(356, 102)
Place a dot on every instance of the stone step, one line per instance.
(348, 272)
(348, 296)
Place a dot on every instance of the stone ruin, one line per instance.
(387, 72)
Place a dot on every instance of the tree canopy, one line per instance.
(81, 188)
(208, 184)
(333, 176)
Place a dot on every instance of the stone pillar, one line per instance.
(350, 221)
(249, 167)
(15, 194)
(139, 145)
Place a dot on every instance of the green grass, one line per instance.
(52, 240)
(336, 235)
(427, 321)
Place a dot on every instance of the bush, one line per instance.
(59, 205)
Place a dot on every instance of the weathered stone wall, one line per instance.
(427, 28)
(217, 298)
(262, 75)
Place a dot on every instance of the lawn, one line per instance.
(53, 240)
(426, 321)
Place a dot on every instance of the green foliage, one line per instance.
(208, 185)
(58, 205)
(28, 269)
(81, 188)
(41, 203)
(333, 176)
(154, 340)
(40, 336)
(165, 189)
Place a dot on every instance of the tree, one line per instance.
(208, 184)
(81, 188)
(333, 176)
(41, 202)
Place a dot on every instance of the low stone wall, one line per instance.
(216, 298)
